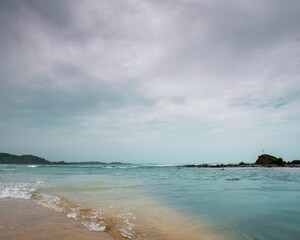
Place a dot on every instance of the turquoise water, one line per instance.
(165, 202)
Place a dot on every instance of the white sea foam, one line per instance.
(15, 192)
(94, 226)
(49, 201)
(32, 166)
(128, 219)
(73, 214)
(157, 165)
(92, 220)
(18, 190)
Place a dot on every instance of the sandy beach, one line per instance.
(26, 220)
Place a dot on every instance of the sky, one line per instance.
(150, 81)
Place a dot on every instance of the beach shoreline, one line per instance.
(27, 220)
(146, 202)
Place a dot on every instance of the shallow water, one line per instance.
(165, 202)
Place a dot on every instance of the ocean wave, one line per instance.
(119, 222)
(32, 166)
(94, 226)
(18, 190)
(15, 192)
(90, 218)
(157, 165)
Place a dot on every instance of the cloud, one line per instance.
(141, 72)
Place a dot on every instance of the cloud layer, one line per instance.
(150, 81)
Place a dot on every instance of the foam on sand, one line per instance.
(26, 220)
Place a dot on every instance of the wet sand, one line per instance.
(26, 220)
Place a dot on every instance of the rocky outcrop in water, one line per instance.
(295, 162)
(266, 159)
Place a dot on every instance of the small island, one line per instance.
(264, 160)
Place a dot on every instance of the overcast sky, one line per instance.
(167, 81)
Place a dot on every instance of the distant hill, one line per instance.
(6, 158)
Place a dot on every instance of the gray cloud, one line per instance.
(143, 71)
(267, 102)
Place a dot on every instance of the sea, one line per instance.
(162, 202)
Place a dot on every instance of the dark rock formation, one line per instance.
(266, 159)
(242, 164)
(295, 162)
